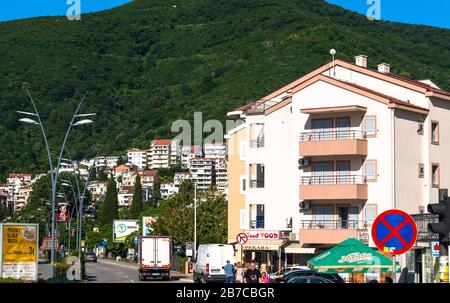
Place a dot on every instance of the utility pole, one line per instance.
(195, 219)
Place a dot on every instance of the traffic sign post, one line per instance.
(242, 239)
(395, 232)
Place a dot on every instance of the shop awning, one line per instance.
(265, 245)
(296, 248)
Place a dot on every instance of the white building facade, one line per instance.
(321, 157)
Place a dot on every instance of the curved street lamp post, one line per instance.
(54, 172)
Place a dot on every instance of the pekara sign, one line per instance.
(19, 251)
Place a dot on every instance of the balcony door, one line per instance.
(322, 129)
(342, 128)
(343, 172)
(322, 173)
(348, 217)
(323, 217)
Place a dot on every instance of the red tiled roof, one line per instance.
(13, 175)
(162, 142)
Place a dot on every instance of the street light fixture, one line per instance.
(28, 120)
(53, 173)
(82, 122)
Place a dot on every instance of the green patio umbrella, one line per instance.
(351, 256)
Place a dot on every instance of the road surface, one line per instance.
(109, 271)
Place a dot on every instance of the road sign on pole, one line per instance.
(242, 238)
(395, 232)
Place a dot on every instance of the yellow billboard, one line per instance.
(19, 251)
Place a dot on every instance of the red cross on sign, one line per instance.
(242, 238)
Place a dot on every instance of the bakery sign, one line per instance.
(263, 234)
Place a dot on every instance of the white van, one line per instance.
(210, 260)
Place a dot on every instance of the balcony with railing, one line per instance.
(333, 143)
(256, 183)
(422, 221)
(329, 231)
(255, 224)
(257, 143)
(333, 187)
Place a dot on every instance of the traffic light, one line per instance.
(443, 210)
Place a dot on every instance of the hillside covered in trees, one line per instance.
(150, 62)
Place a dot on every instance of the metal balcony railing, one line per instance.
(256, 183)
(256, 224)
(257, 143)
(345, 134)
(333, 179)
(422, 221)
(333, 224)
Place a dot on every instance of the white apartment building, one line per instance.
(97, 189)
(175, 152)
(317, 160)
(125, 196)
(203, 172)
(168, 190)
(137, 157)
(221, 175)
(20, 198)
(111, 162)
(179, 177)
(188, 153)
(215, 150)
(159, 154)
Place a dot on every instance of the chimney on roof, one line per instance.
(361, 60)
(384, 68)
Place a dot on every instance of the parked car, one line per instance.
(335, 278)
(309, 279)
(279, 275)
(210, 260)
(91, 257)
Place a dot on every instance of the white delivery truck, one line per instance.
(155, 257)
(210, 260)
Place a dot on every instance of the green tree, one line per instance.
(177, 215)
(3, 211)
(136, 206)
(109, 209)
(156, 191)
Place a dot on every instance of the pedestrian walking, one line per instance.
(229, 272)
(252, 274)
(264, 277)
(239, 273)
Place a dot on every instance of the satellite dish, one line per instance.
(332, 52)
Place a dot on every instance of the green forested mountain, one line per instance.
(150, 62)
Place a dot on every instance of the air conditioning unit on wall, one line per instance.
(303, 162)
(304, 205)
(292, 237)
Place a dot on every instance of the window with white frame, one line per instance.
(370, 126)
(370, 170)
(370, 213)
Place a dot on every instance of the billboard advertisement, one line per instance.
(19, 251)
(123, 228)
(147, 225)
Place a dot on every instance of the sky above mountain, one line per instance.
(20, 9)
(430, 12)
